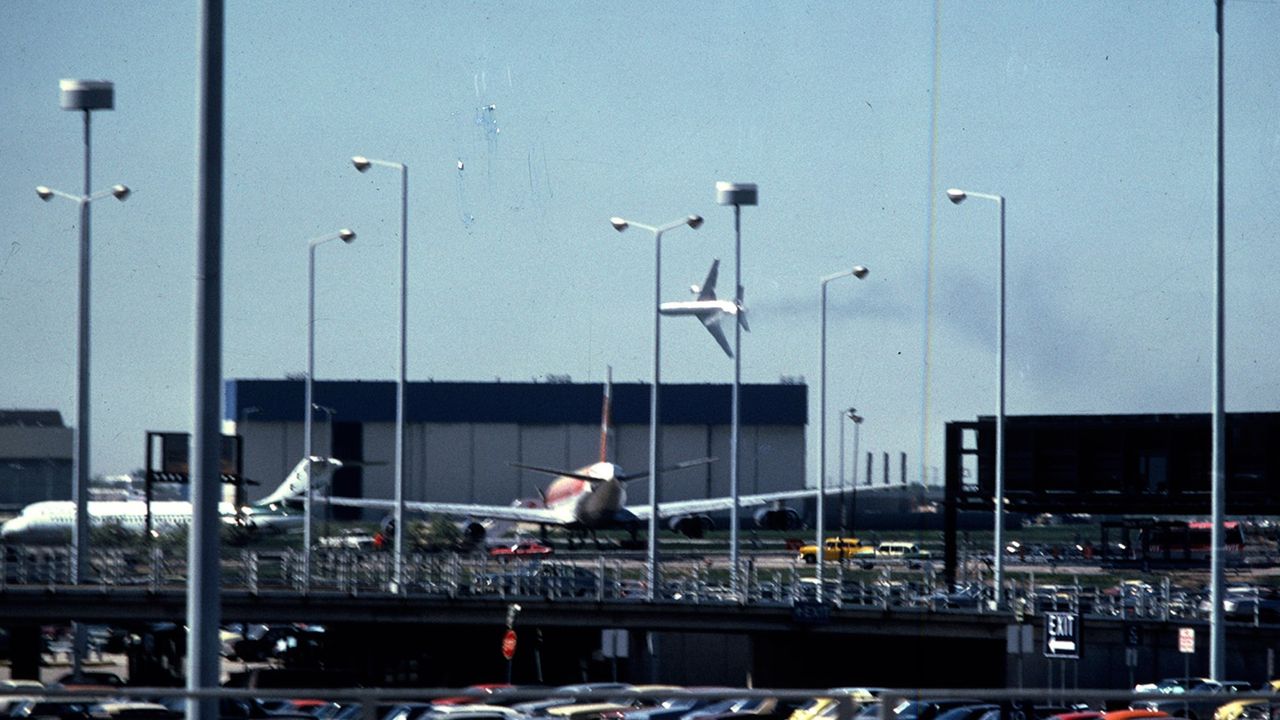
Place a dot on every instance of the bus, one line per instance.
(1190, 541)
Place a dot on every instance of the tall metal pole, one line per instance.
(853, 495)
(309, 407)
(1000, 373)
(398, 574)
(958, 196)
(84, 96)
(81, 542)
(736, 194)
(203, 610)
(655, 441)
(819, 535)
(655, 438)
(362, 164)
(1217, 639)
(307, 413)
(858, 272)
(736, 405)
(844, 514)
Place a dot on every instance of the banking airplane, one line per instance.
(50, 521)
(708, 309)
(594, 498)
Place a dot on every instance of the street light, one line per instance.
(850, 414)
(958, 196)
(859, 272)
(85, 96)
(737, 195)
(655, 443)
(347, 237)
(363, 164)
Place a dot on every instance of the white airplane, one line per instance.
(594, 497)
(708, 309)
(50, 521)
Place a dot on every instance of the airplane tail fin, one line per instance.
(313, 471)
(606, 415)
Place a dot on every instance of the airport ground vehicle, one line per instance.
(524, 548)
(900, 550)
(837, 549)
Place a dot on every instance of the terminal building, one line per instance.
(461, 438)
(35, 458)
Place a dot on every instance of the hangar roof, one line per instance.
(514, 402)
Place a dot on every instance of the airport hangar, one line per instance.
(462, 437)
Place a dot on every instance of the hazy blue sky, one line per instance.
(1095, 120)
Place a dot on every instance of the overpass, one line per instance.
(438, 640)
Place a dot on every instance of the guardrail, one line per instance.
(621, 578)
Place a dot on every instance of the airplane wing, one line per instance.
(683, 465)
(712, 323)
(708, 289)
(542, 516)
(687, 507)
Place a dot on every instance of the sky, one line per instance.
(526, 126)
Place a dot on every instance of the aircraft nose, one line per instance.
(13, 528)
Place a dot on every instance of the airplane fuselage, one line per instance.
(590, 504)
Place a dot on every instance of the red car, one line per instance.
(525, 548)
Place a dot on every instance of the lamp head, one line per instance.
(956, 195)
(120, 191)
(44, 192)
(860, 271)
(693, 221)
(361, 162)
(346, 235)
(618, 223)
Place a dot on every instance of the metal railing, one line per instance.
(620, 578)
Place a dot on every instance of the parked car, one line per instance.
(1198, 702)
(1239, 708)
(926, 709)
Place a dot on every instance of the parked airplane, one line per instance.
(594, 498)
(50, 521)
(708, 309)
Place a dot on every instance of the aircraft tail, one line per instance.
(313, 471)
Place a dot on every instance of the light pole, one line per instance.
(737, 195)
(850, 414)
(958, 196)
(362, 164)
(347, 237)
(85, 96)
(655, 443)
(859, 272)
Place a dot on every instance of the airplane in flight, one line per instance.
(594, 498)
(50, 521)
(708, 309)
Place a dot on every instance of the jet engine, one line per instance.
(691, 526)
(474, 532)
(783, 518)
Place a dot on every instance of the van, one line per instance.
(901, 550)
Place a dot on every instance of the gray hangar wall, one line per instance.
(461, 438)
